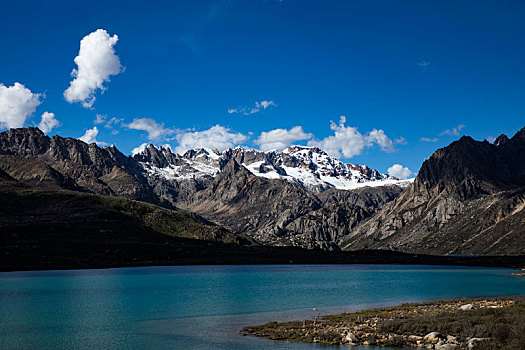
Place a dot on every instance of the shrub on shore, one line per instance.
(482, 324)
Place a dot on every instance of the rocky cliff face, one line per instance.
(468, 198)
(299, 197)
(277, 212)
(75, 164)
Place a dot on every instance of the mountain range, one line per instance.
(297, 197)
(468, 198)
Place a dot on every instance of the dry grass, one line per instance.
(501, 321)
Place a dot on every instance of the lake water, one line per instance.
(204, 307)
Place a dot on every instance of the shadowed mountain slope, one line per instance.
(468, 198)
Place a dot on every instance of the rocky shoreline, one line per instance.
(489, 323)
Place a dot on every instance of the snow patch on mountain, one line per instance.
(192, 170)
(310, 167)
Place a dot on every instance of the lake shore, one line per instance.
(482, 323)
(87, 252)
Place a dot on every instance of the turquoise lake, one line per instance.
(204, 307)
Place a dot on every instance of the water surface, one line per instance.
(198, 307)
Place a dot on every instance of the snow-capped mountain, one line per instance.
(284, 204)
(309, 167)
(159, 161)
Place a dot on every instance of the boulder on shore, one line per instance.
(466, 307)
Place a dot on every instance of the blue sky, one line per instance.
(401, 72)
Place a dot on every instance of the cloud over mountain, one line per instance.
(379, 137)
(48, 122)
(17, 103)
(156, 131)
(347, 141)
(399, 171)
(281, 138)
(90, 136)
(454, 131)
(96, 62)
(217, 136)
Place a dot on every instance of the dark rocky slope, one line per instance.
(49, 219)
(468, 198)
(45, 229)
(79, 166)
(51, 225)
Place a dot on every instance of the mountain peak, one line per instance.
(466, 139)
(29, 141)
(306, 166)
(501, 140)
(201, 152)
(309, 167)
(487, 168)
(298, 148)
(520, 135)
(28, 132)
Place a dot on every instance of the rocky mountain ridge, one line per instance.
(79, 166)
(309, 167)
(468, 198)
(278, 212)
(280, 198)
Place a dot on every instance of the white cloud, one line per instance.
(491, 139)
(428, 139)
(399, 171)
(454, 131)
(379, 137)
(139, 149)
(347, 141)
(113, 122)
(259, 106)
(48, 122)
(100, 118)
(155, 130)
(17, 103)
(90, 136)
(281, 138)
(215, 137)
(423, 64)
(401, 141)
(265, 104)
(143, 146)
(109, 123)
(96, 62)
